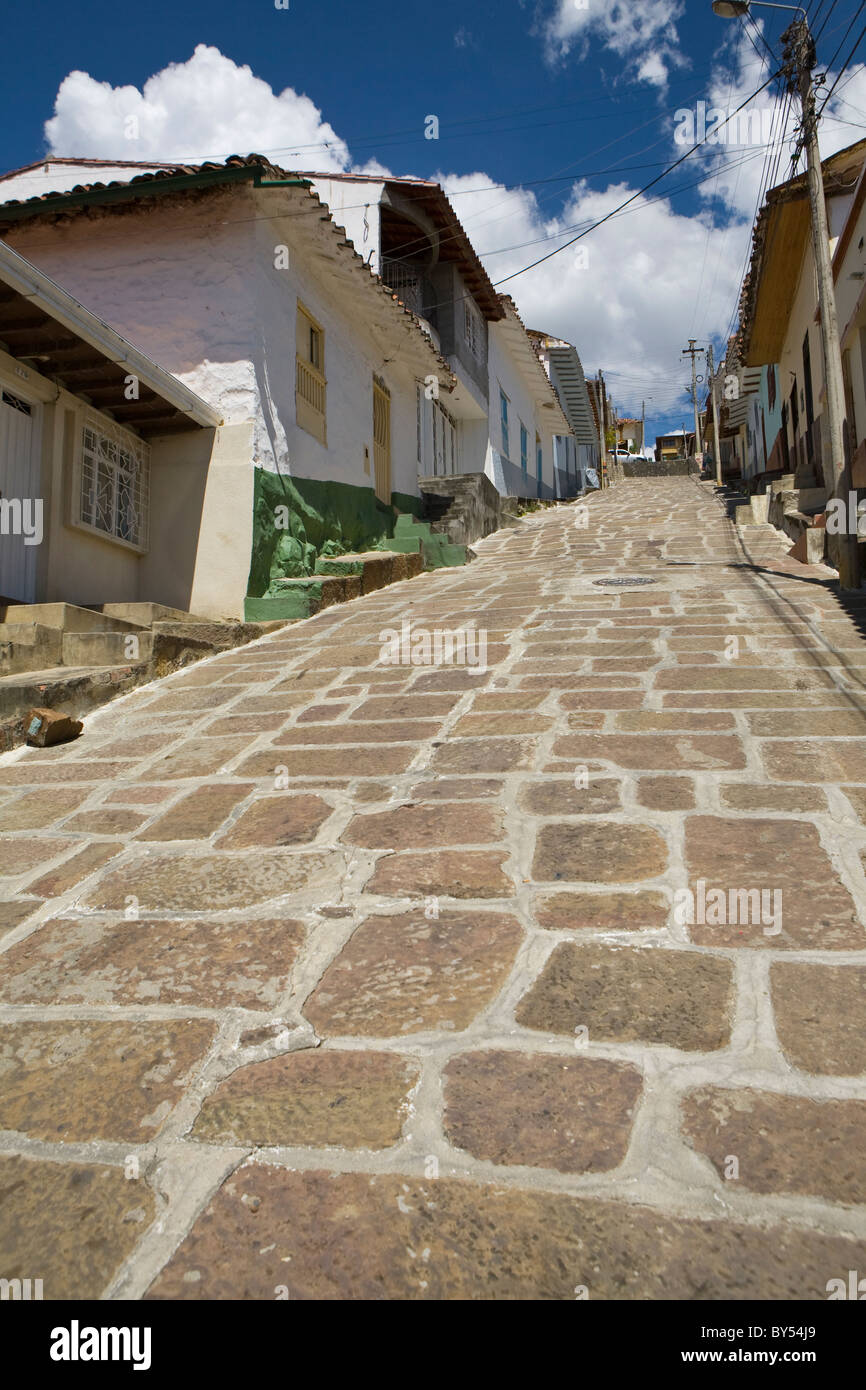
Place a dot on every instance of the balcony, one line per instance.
(412, 288)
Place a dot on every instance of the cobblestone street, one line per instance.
(325, 978)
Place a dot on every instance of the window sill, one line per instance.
(108, 537)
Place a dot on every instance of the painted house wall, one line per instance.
(802, 319)
(75, 565)
(52, 177)
(223, 319)
(851, 305)
(506, 372)
(355, 207)
(173, 278)
(351, 359)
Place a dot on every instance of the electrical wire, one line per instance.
(643, 190)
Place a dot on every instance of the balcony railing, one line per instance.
(412, 288)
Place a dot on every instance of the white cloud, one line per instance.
(651, 277)
(641, 33)
(625, 294)
(737, 154)
(206, 108)
(653, 70)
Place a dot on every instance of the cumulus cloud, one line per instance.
(622, 294)
(627, 295)
(641, 33)
(206, 108)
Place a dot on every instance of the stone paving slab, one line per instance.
(325, 977)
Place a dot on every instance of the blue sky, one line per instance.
(566, 108)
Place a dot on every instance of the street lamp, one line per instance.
(799, 59)
(735, 9)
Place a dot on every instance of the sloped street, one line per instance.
(323, 976)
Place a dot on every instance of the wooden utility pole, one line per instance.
(694, 352)
(799, 54)
(711, 375)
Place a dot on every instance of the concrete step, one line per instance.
(25, 645)
(68, 617)
(292, 600)
(106, 648)
(68, 690)
(408, 525)
(146, 614)
(374, 568)
(338, 578)
(810, 546)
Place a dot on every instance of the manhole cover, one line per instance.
(622, 583)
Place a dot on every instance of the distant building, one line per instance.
(579, 452)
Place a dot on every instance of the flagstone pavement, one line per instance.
(324, 978)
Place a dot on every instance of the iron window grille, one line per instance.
(114, 482)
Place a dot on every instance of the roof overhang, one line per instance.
(252, 169)
(400, 334)
(45, 327)
(518, 341)
(781, 236)
(786, 232)
(454, 245)
(575, 396)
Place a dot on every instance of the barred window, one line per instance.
(473, 329)
(113, 495)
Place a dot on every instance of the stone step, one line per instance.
(146, 614)
(374, 568)
(68, 617)
(409, 525)
(106, 648)
(338, 578)
(25, 645)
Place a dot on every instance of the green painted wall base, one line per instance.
(436, 548)
(338, 566)
(300, 522)
(302, 528)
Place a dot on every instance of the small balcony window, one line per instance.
(310, 383)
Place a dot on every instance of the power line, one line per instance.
(857, 42)
(841, 45)
(643, 190)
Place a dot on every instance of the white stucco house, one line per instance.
(235, 279)
(503, 416)
(105, 459)
(578, 452)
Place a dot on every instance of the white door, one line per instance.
(21, 517)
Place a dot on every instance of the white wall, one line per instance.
(51, 177)
(194, 285)
(351, 359)
(506, 372)
(355, 207)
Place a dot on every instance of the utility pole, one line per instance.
(711, 375)
(643, 427)
(799, 53)
(694, 352)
